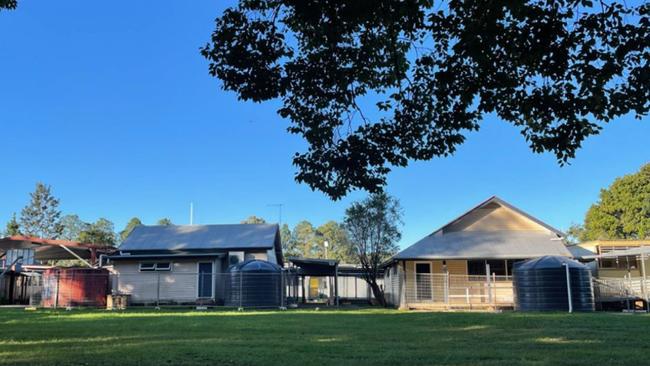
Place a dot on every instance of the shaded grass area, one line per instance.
(359, 337)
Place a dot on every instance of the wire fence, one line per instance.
(430, 290)
(117, 290)
(101, 288)
(577, 291)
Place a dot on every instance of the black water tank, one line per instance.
(540, 284)
(254, 283)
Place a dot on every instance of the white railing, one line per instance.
(457, 290)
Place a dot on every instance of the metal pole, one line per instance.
(626, 289)
(487, 279)
(282, 290)
(643, 280)
(402, 287)
(76, 256)
(568, 288)
(494, 288)
(446, 289)
(158, 289)
(336, 283)
(241, 293)
(56, 298)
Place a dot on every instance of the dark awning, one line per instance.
(315, 267)
(50, 249)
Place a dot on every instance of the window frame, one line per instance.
(154, 267)
(166, 268)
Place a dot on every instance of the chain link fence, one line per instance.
(62, 289)
(113, 290)
(102, 288)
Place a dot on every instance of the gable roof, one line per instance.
(202, 237)
(499, 201)
(488, 244)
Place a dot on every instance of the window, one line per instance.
(497, 267)
(150, 266)
(476, 268)
(146, 267)
(511, 265)
(164, 266)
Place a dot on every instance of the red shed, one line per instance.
(64, 287)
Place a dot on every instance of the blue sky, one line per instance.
(112, 105)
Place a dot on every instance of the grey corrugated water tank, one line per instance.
(540, 284)
(254, 283)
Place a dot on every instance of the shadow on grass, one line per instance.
(298, 337)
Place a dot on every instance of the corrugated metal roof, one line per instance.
(620, 253)
(486, 244)
(580, 252)
(201, 237)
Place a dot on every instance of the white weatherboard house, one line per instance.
(469, 261)
(185, 263)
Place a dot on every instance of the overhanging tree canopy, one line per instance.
(556, 69)
(8, 4)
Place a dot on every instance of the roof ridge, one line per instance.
(237, 224)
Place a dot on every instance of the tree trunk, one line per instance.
(377, 292)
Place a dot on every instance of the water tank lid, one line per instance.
(256, 265)
(550, 262)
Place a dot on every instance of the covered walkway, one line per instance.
(628, 289)
(24, 258)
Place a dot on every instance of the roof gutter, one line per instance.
(145, 256)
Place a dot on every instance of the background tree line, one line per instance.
(42, 218)
(367, 236)
(307, 240)
(621, 212)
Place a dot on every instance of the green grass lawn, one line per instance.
(362, 337)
